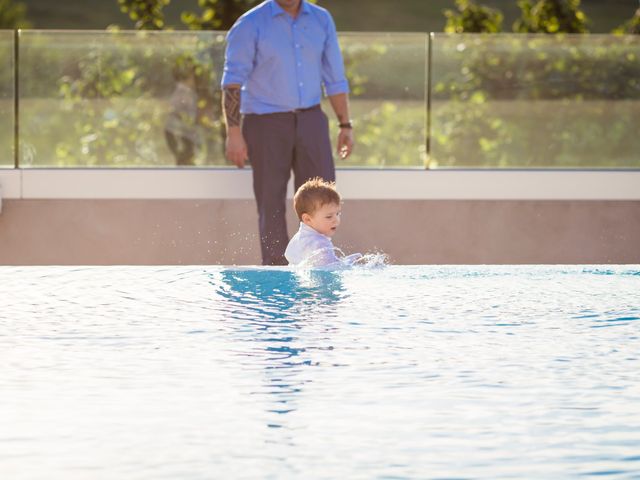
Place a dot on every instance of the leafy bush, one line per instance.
(472, 18)
(551, 16)
(630, 27)
(536, 101)
(103, 100)
(13, 15)
(6, 99)
(497, 101)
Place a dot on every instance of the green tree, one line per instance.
(631, 27)
(147, 14)
(213, 15)
(216, 14)
(551, 16)
(13, 15)
(472, 18)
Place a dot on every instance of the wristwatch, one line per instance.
(346, 124)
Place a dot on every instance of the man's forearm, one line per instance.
(340, 105)
(231, 106)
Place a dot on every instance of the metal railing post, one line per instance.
(16, 103)
(428, 98)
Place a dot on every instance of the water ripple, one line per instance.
(390, 372)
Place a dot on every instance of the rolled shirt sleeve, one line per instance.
(333, 74)
(240, 53)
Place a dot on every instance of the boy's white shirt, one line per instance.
(311, 247)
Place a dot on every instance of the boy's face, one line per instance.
(325, 219)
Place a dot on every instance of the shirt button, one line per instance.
(297, 45)
(301, 84)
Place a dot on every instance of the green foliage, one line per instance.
(6, 98)
(147, 14)
(551, 16)
(389, 134)
(497, 101)
(13, 15)
(105, 102)
(387, 77)
(535, 101)
(472, 18)
(631, 27)
(216, 14)
(109, 97)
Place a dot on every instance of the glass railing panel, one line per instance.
(7, 100)
(120, 99)
(523, 101)
(109, 99)
(387, 76)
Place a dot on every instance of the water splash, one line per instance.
(318, 260)
(373, 260)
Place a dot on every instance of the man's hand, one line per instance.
(345, 142)
(340, 105)
(236, 147)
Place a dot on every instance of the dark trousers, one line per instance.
(279, 143)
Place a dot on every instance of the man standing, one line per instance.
(279, 56)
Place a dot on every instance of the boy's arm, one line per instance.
(323, 258)
(323, 253)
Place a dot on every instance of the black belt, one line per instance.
(300, 110)
(296, 110)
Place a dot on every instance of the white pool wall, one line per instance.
(208, 216)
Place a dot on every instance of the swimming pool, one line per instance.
(396, 372)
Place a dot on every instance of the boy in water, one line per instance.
(318, 206)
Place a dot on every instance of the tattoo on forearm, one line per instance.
(231, 106)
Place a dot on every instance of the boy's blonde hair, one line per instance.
(313, 194)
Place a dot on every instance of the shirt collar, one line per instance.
(276, 9)
(307, 229)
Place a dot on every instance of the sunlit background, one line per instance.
(498, 132)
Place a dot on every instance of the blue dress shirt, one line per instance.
(282, 63)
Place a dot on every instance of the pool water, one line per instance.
(396, 372)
